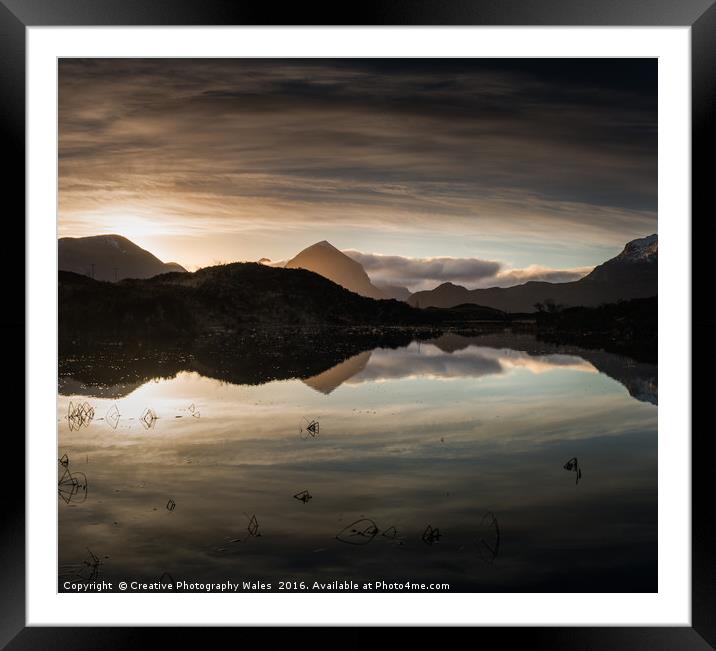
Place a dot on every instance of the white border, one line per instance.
(671, 606)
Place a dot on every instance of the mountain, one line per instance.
(631, 274)
(326, 260)
(109, 257)
(635, 265)
(394, 291)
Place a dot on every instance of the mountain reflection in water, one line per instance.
(445, 434)
(454, 356)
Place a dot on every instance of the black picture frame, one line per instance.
(16, 15)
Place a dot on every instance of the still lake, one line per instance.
(491, 463)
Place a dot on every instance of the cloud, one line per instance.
(427, 360)
(398, 270)
(426, 273)
(509, 277)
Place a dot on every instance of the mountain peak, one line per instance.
(109, 257)
(326, 260)
(323, 244)
(642, 249)
(105, 238)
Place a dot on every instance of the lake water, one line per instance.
(439, 462)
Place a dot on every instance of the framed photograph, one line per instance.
(338, 325)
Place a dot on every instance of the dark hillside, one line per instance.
(219, 299)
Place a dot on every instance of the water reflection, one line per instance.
(450, 355)
(464, 438)
(455, 356)
(426, 360)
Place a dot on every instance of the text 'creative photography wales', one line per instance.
(366, 325)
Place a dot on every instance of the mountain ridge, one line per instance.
(630, 274)
(109, 257)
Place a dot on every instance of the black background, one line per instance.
(16, 14)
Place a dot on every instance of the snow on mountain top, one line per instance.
(644, 248)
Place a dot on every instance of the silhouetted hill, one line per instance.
(325, 259)
(631, 274)
(466, 313)
(219, 298)
(245, 301)
(109, 257)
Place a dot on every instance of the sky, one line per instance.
(479, 171)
